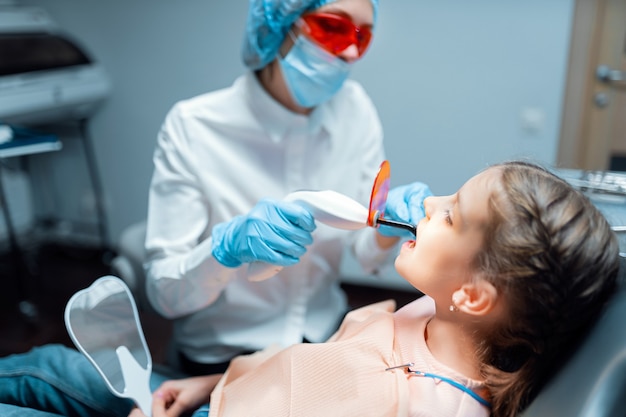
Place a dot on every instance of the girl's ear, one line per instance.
(476, 298)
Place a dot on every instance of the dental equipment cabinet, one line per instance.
(46, 80)
(607, 191)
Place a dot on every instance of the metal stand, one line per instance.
(27, 308)
(96, 184)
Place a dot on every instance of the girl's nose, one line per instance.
(428, 206)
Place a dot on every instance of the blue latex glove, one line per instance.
(275, 232)
(405, 204)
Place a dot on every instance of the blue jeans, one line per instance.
(54, 380)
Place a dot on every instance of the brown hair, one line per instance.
(554, 258)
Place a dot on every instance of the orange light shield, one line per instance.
(378, 198)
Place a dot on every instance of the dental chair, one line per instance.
(591, 384)
(128, 264)
(593, 381)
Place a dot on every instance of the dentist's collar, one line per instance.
(277, 119)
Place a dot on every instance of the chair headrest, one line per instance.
(593, 382)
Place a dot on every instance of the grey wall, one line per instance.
(452, 81)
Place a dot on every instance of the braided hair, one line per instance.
(554, 258)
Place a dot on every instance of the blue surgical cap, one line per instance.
(268, 23)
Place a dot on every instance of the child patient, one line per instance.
(515, 267)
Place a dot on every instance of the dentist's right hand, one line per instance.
(275, 232)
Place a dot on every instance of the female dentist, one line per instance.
(225, 159)
(292, 122)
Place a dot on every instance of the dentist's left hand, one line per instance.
(405, 203)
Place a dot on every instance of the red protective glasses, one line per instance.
(335, 33)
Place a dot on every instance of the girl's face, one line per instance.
(448, 239)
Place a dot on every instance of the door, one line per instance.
(593, 127)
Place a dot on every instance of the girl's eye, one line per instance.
(448, 217)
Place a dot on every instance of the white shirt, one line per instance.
(217, 155)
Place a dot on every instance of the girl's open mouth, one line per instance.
(410, 244)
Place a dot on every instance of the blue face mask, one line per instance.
(312, 75)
